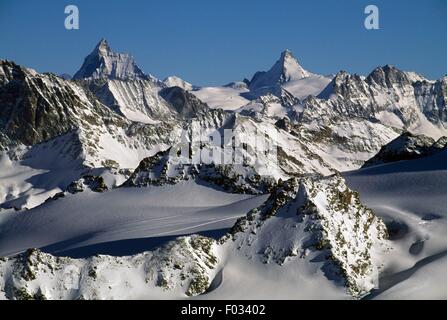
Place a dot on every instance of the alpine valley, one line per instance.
(95, 204)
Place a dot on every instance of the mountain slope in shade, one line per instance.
(407, 147)
(321, 231)
(104, 63)
(86, 223)
(67, 147)
(317, 217)
(254, 257)
(185, 104)
(284, 70)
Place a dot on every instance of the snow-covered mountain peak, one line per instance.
(103, 46)
(286, 69)
(291, 69)
(321, 220)
(174, 81)
(388, 75)
(104, 63)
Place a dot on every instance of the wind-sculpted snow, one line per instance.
(88, 219)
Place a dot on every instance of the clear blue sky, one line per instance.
(218, 41)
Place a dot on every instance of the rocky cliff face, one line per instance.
(103, 63)
(38, 111)
(39, 107)
(112, 118)
(388, 95)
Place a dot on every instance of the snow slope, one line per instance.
(86, 219)
(226, 98)
(311, 85)
(410, 196)
(174, 81)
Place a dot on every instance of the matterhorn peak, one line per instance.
(287, 54)
(104, 63)
(103, 46)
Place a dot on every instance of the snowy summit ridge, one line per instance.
(105, 63)
(286, 69)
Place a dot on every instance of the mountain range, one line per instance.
(95, 203)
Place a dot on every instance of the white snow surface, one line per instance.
(226, 98)
(89, 218)
(174, 81)
(312, 85)
(411, 195)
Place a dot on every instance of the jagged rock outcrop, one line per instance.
(94, 183)
(47, 123)
(103, 63)
(320, 221)
(184, 103)
(166, 168)
(319, 215)
(388, 95)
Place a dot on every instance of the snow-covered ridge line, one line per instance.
(104, 63)
(316, 215)
(183, 267)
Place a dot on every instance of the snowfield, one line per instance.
(226, 98)
(88, 223)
